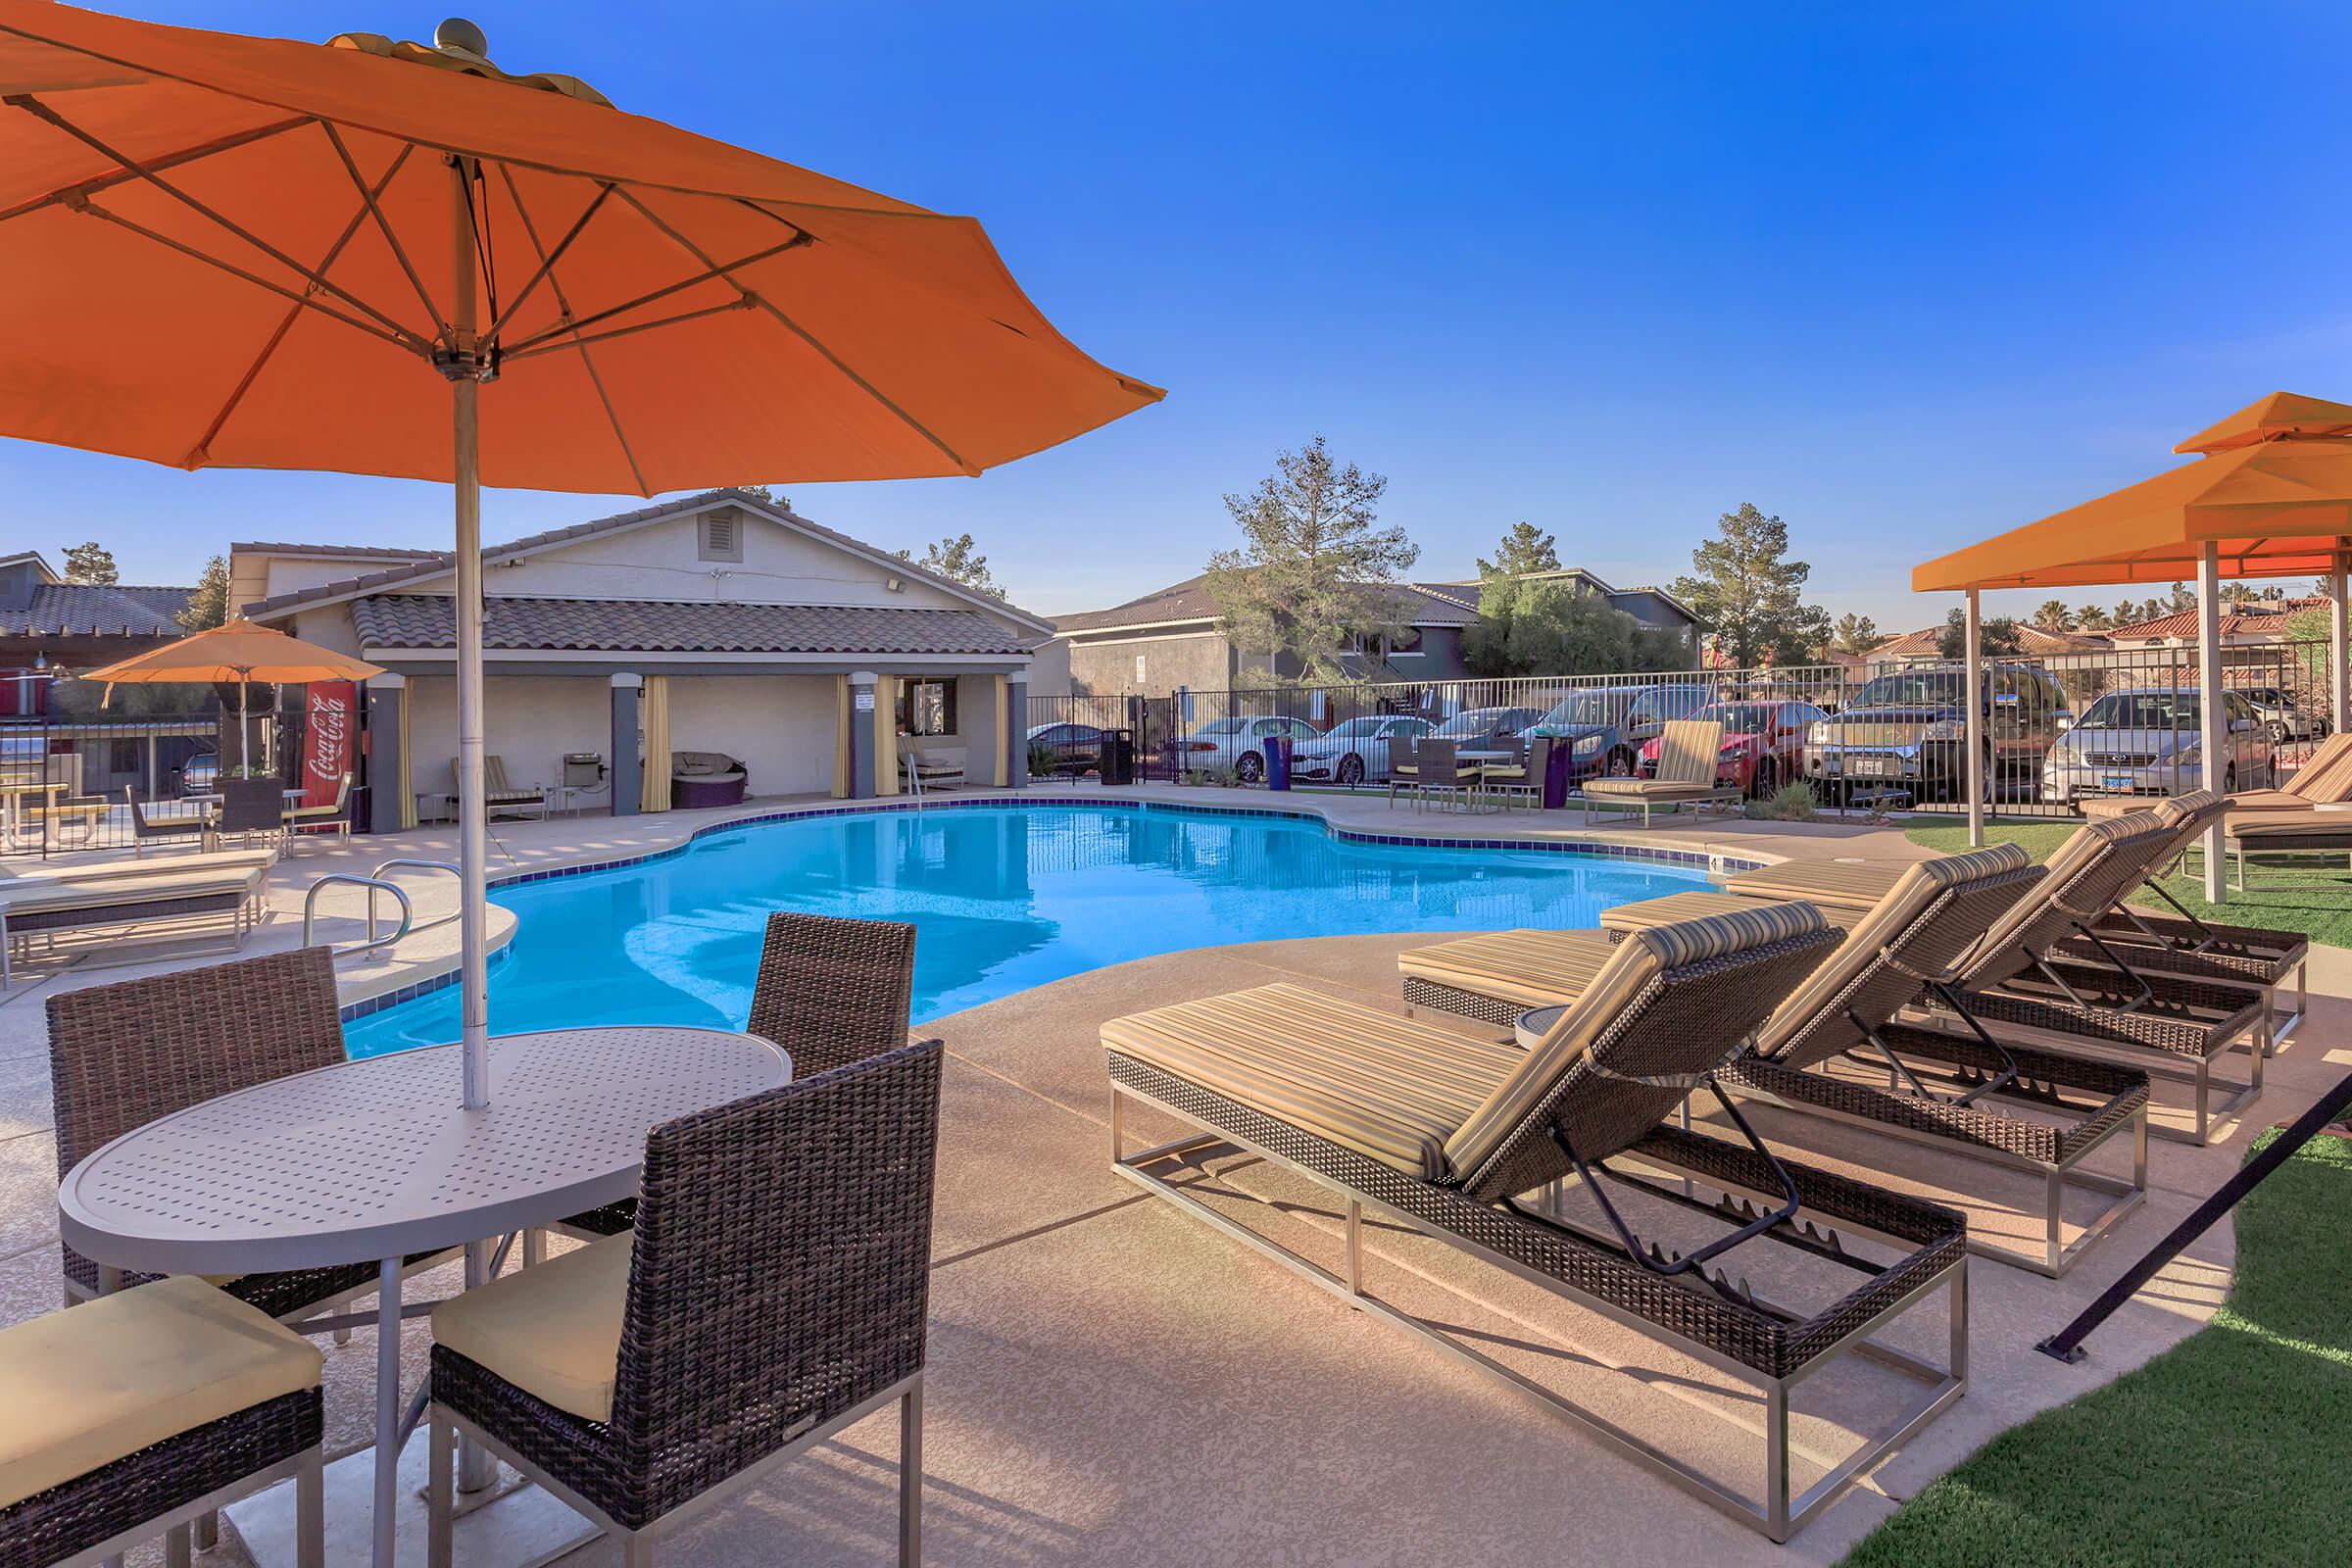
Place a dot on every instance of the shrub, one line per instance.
(1792, 802)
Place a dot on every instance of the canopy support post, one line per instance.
(473, 840)
(2212, 718)
(1973, 662)
(2340, 654)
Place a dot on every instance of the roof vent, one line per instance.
(721, 535)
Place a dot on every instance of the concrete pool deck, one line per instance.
(1113, 1382)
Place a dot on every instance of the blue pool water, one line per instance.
(1003, 899)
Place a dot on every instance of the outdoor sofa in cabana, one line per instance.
(2038, 1111)
(1428, 1129)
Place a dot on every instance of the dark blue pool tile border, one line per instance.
(1583, 847)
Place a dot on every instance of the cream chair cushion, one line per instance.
(1533, 968)
(553, 1331)
(96, 1382)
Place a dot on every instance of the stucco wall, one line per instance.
(780, 726)
(1201, 660)
(529, 722)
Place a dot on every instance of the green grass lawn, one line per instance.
(2233, 1447)
(2309, 893)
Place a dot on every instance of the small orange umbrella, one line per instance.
(239, 650)
(395, 259)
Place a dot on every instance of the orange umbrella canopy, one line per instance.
(235, 651)
(2272, 492)
(231, 251)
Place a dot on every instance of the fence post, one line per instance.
(2339, 664)
(1973, 662)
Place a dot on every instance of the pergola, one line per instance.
(2269, 496)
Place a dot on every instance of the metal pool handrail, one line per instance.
(420, 865)
(310, 910)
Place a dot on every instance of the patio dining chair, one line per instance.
(774, 1292)
(830, 992)
(1404, 767)
(1438, 767)
(137, 1415)
(250, 807)
(147, 830)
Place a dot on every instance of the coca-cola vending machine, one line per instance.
(330, 745)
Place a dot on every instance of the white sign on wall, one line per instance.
(866, 701)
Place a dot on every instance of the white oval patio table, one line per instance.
(374, 1160)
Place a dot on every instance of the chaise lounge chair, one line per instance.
(499, 795)
(1940, 1086)
(1688, 749)
(189, 893)
(1429, 1130)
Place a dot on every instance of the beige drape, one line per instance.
(655, 714)
(1000, 774)
(407, 759)
(842, 732)
(886, 736)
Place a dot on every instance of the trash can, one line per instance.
(1556, 776)
(1278, 761)
(1118, 757)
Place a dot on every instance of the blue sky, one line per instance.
(1903, 276)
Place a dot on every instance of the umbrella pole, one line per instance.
(473, 843)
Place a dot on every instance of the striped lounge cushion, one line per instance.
(1388, 1088)
(1843, 884)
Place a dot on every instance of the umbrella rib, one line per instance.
(398, 340)
(547, 258)
(663, 292)
(555, 286)
(201, 452)
(809, 338)
(368, 196)
(42, 112)
(186, 155)
(543, 345)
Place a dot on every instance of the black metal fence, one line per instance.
(67, 779)
(2055, 729)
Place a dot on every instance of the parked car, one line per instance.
(1763, 743)
(1066, 750)
(2151, 742)
(200, 775)
(1356, 751)
(1474, 724)
(1235, 743)
(2285, 719)
(1605, 726)
(1908, 730)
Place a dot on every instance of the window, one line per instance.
(722, 536)
(1139, 670)
(927, 708)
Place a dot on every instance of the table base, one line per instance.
(512, 1525)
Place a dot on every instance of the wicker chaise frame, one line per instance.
(830, 992)
(124, 1054)
(1601, 1112)
(169, 1484)
(2100, 1101)
(779, 1290)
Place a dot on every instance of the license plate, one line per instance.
(1871, 767)
(2125, 784)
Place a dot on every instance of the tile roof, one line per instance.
(1191, 600)
(427, 563)
(2032, 642)
(79, 608)
(366, 552)
(2270, 621)
(601, 625)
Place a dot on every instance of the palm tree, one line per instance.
(2053, 616)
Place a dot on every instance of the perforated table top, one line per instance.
(375, 1159)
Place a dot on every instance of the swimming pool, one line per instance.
(1003, 897)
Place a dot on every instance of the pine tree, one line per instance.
(208, 606)
(91, 563)
(1750, 594)
(1523, 550)
(957, 560)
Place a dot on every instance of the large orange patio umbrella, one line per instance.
(2269, 496)
(397, 259)
(235, 649)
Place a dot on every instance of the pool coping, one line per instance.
(441, 971)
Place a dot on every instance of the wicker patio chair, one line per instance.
(1436, 767)
(830, 992)
(121, 1055)
(146, 830)
(498, 793)
(251, 807)
(139, 1414)
(1941, 1089)
(773, 1293)
(1429, 1130)
(1404, 767)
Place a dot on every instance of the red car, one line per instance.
(1763, 744)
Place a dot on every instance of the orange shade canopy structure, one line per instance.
(235, 251)
(239, 650)
(2272, 492)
